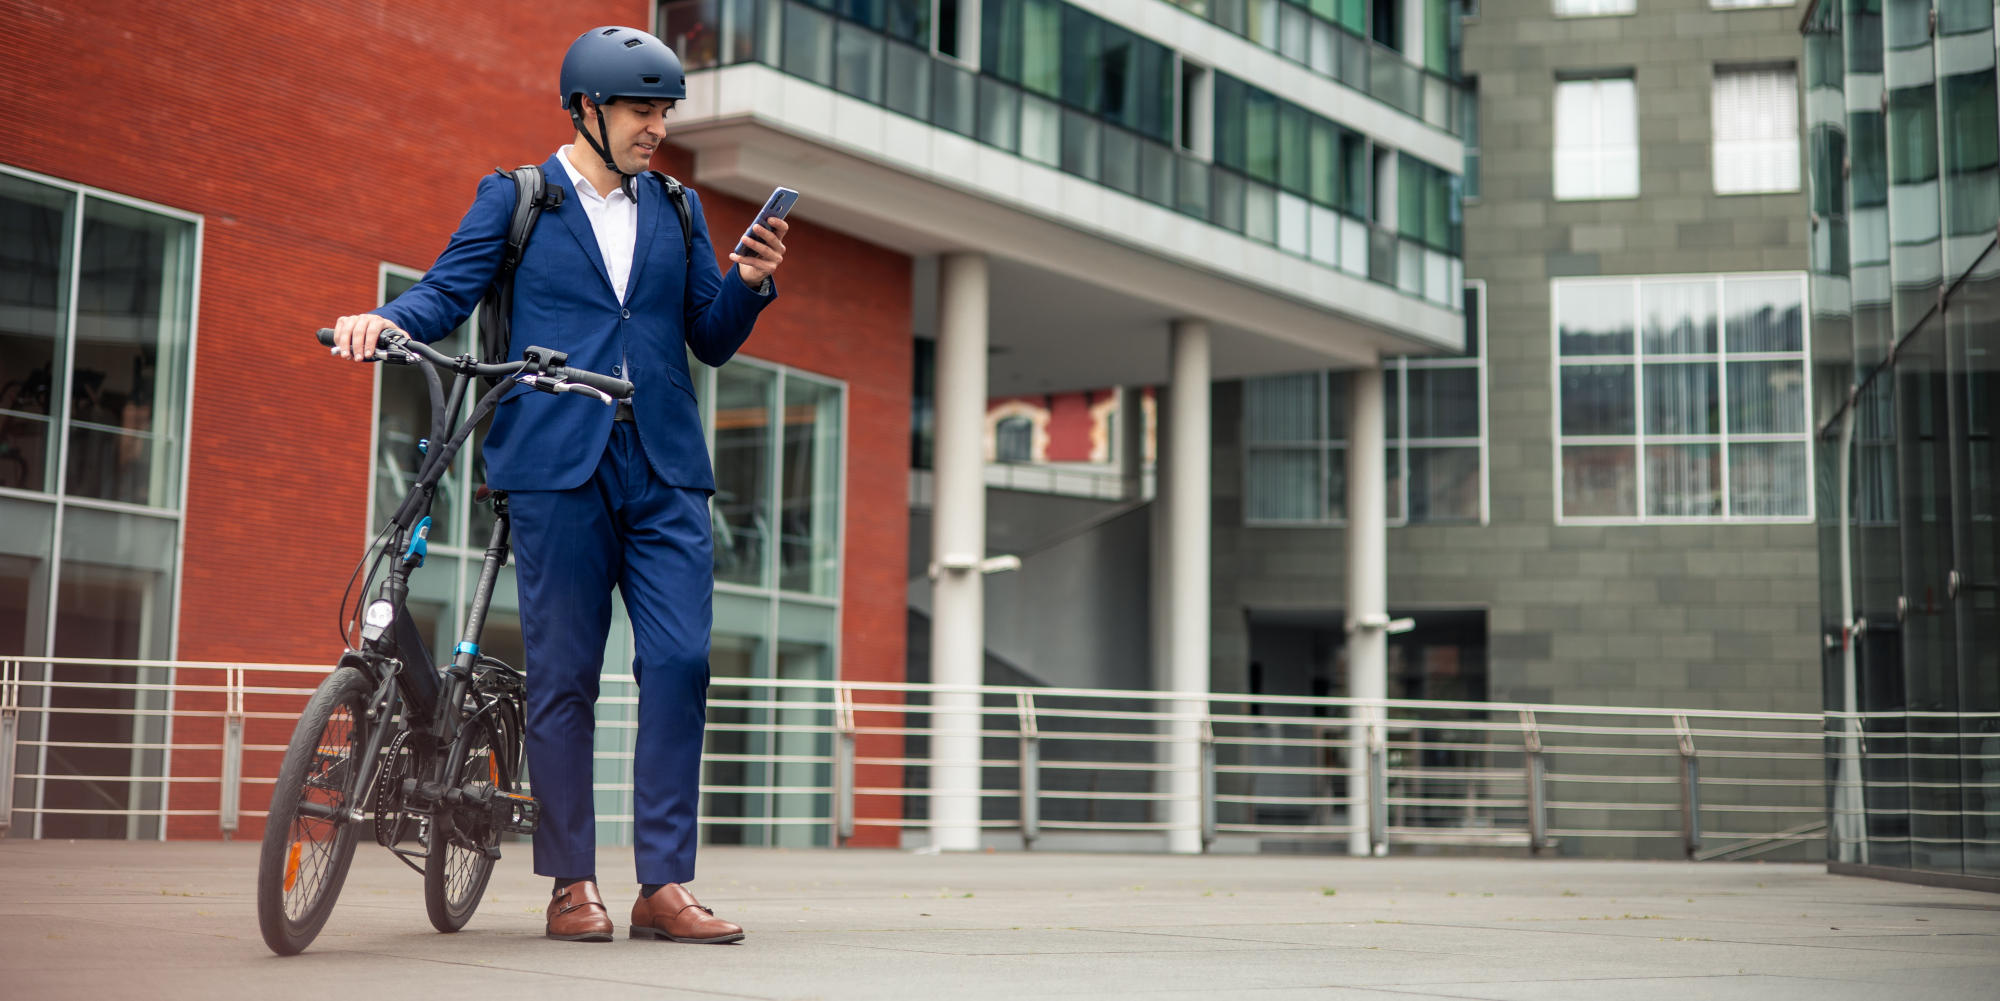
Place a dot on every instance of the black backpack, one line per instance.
(531, 195)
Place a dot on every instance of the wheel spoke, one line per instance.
(316, 839)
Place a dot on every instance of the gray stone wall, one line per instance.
(1722, 616)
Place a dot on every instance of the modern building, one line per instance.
(1058, 196)
(1603, 497)
(1905, 200)
(1308, 317)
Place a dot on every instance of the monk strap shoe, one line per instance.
(673, 914)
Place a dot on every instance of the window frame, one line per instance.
(1396, 439)
(1556, 148)
(704, 376)
(59, 500)
(1638, 439)
(1631, 7)
(1715, 142)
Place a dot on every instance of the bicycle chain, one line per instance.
(389, 817)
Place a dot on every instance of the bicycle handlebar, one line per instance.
(550, 369)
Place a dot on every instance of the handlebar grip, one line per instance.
(326, 337)
(617, 389)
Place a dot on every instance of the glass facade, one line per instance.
(1434, 413)
(777, 438)
(96, 341)
(1358, 43)
(1061, 87)
(1905, 292)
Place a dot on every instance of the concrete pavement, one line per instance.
(117, 919)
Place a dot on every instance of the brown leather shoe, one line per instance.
(578, 914)
(672, 913)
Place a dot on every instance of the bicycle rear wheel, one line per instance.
(461, 843)
(308, 840)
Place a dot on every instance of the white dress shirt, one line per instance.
(614, 218)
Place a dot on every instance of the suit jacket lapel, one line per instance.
(652, 193)
(572, 214)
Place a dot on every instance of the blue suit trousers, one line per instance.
(626, 527)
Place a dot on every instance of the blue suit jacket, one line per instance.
(674, 301)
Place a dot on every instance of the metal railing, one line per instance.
(823, 762)
(1906, 779)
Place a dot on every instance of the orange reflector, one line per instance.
(292, 865)
(493, 770)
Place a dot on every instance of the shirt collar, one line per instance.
(584, 189)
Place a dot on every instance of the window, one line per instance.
(1195, 117)
(1739, 4)
(1597, 139)
(1682, 398)
(96, 339)
(1295, 438)
(1592, 8)
(1756, 115)
(1014, 440)
(1471, 120)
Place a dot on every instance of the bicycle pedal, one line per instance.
(515, 813)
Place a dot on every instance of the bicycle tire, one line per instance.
(456, 866)
(328, 742)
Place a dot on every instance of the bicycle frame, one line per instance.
(392, 651)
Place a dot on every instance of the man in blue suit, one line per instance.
(603, 497)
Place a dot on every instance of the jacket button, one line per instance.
(624, 314)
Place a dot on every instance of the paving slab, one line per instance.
(83, 919)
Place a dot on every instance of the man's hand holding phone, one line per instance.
(762, 247)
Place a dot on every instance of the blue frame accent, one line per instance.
(420, 546)
(464, 647)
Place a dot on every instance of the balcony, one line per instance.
(1338, 53)
(807, 43)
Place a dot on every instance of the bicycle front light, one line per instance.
(375, 621)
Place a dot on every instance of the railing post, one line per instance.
(10, 733)
(231, 807)
(1378, 789)
(1538, 803)
(1207, 784)
(1690, 788)
(1031, 771)
(843, 766)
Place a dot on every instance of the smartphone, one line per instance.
(775, 207)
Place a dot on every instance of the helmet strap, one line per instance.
(603, 148)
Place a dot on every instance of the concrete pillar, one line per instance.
(1130, 446)
(1187, 488)
(1367, 580)
(958, 543)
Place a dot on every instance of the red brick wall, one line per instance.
(1070, 425)
(317, 141)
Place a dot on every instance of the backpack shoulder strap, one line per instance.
(531, 195)
(679, 196)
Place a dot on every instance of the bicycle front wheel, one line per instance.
(308, 838)
(461, 843)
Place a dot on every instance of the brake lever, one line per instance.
(553, 386)
(565, 386)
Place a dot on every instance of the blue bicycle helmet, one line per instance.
(612, 62)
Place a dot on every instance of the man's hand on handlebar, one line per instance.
(545, 370)
(355, 336)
